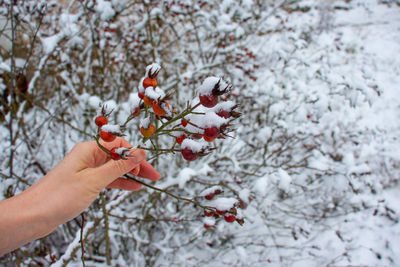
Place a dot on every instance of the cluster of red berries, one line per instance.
(241, 59)
(229, 215)
(187, 127)
(210, 93)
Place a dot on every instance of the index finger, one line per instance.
(147, 171)
(118, 142)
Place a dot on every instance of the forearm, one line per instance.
(21, 222)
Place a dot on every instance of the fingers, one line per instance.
(124, 184)
(147, 171)
(112, 169)
(118, 142)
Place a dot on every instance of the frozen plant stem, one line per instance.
(130, 177)
(82, 245)
(181, 116)
(106, 227)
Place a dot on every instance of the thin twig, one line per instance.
(130, 177)
(81, 240)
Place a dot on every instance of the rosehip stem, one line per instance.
(161, 149)
(128, 120)
(130, 177)
(97, 137)
(180, 116)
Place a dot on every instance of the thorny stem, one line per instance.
(97, 137)
(160, 149)
(180, 116)
(130, 177)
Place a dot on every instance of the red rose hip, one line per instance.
(149, 82)
(188, 154)
(230, 218)
(211, 132)
(209, 213)
(180, 139)
(113, 154)
(100, 121)
(107, 137)
(208, 101)
(224, 114)
(209, 196)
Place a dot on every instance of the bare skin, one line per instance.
(66, 191)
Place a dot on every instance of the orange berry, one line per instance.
(107, 137)
(158, 110)
(208, 139)
(147, 101)
(149, 131)
(149, 82)
(100, 121)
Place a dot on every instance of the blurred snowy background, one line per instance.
(315, 156)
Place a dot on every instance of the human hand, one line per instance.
(85, 171)
(67, 190)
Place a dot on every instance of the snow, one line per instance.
(50, 43)
(105, 9)
(94, 101)
(284, 180)
(209, 221)
(195, 146)
(209, 84)
(122, 150)
(314, 156)
(111, 128)
(145, 123)
(222, 203)
(152, 68)
(225, 105)
(185, 175)
(154, 93)
(210, 190)
(205, 120)
(261, 185)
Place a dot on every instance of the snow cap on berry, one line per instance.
(206, 120)
(223, 203)
(152, 70)
(195, 146)
(145, 123)
(213, 86)
(154, 93)
(211, 190)
(111, 128)
(123, 152)
(225, 105)
(209, 221)
(109, 106)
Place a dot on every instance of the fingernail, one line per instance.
(138, 155)
(136, 170)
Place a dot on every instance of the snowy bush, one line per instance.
(313, 164)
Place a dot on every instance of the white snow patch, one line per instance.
(111, 128)
(105, 9)
(223, 203)
(185, 175)
(195, 146)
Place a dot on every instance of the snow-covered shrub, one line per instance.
(312, 158)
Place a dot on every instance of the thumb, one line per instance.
(113, 169)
